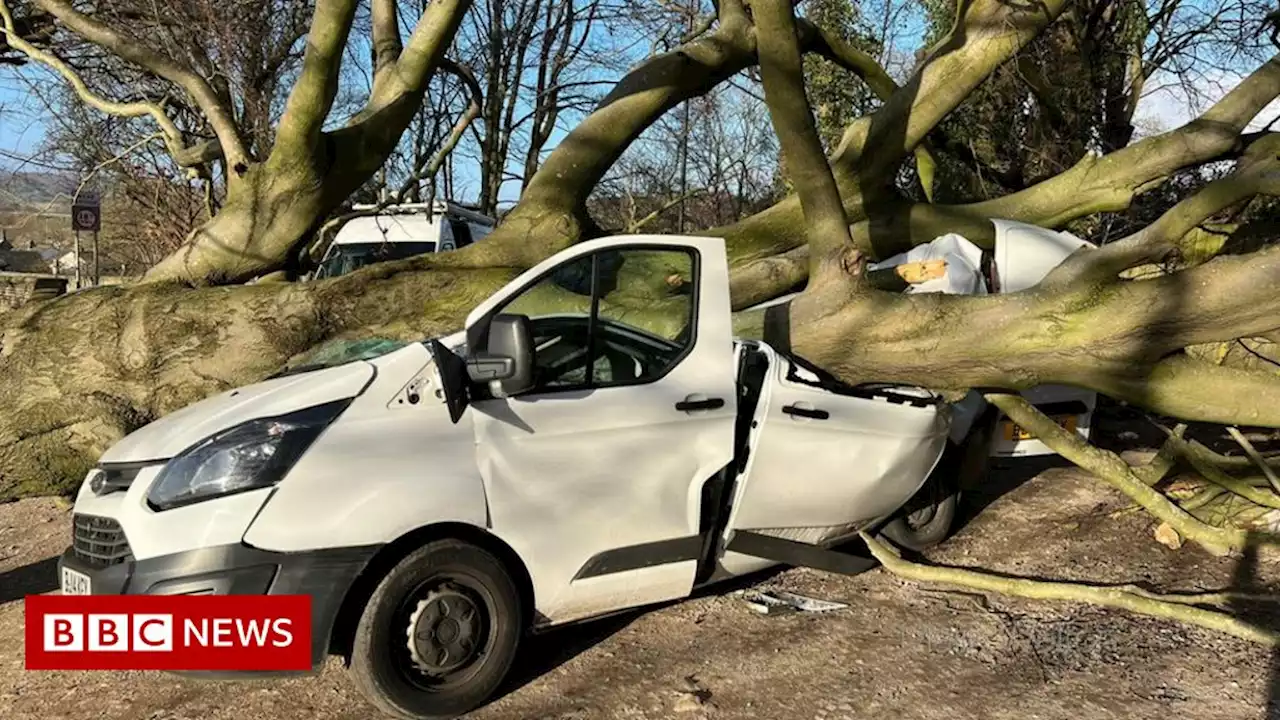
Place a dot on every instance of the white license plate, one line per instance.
(74, 583)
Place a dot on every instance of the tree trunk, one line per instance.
(85, 369)
(267, 213)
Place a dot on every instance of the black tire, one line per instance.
(927, 518)
(411, 657)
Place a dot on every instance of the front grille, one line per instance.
(99, 541)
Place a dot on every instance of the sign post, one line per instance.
(86, 216)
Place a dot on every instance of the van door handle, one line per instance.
(797, 411)
(688, 405)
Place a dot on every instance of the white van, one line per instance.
(400, 231)
(558, 459)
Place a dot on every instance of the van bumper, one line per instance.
(326, 575)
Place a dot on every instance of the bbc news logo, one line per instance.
(175, 632)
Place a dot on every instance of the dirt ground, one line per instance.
(899, 651)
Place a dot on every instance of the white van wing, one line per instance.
(1026, 253)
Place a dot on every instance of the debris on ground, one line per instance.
(1167, 536)
(693, 697)
(772, 602)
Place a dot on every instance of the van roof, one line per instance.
(398, 224)
(388, 228)
(439, 207)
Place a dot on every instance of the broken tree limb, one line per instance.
(1259, 496)
(1143, 602)
(1256, 457)
(1117, 473)
(1164, 461)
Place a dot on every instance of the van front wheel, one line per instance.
(439, 633)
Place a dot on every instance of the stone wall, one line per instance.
(18, 288)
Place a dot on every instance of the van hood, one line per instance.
(175, 432)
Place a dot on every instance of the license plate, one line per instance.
(1014, 433)
(74, 583)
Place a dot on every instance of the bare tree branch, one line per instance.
(317, 86)
(782, 71)
(387, 45)
(172, 136)
(420, 57)
(218, 114)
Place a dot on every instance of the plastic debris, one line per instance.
(773, 602)
(962, 261)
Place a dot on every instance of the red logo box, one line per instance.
(168, 632)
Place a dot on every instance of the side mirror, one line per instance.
(508, 358)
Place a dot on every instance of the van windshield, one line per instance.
(349, 257)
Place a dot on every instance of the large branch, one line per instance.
(985, 36)
(1258, 173)
(552, 210)
(387, 45)
(314, 92)
(219, 115)
(1095, 184)
(839, 51)
(404, 82)
(782, 73)
(1115, 338)
(987, 33)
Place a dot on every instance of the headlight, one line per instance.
(252, 455)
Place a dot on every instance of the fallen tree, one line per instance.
(84, 370)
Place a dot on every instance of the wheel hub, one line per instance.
(921, 517)
(444, 631)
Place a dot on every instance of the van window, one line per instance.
(461, 233)
(582, 339)
(349, 257)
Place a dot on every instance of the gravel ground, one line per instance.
(899, 651)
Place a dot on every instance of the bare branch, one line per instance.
(636, 225)
(1256, 457)
(198, 154)
(426, 167)
(649, 90)
(987, 33)
(313, 95)
(1175, 607)
(1115, 472)
(782, 71)
(386, 38)
(836, 49)
(1259, 173)
(420, 57)
(218, 114)
(172, 136)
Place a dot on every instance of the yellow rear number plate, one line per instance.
(1014, 433)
